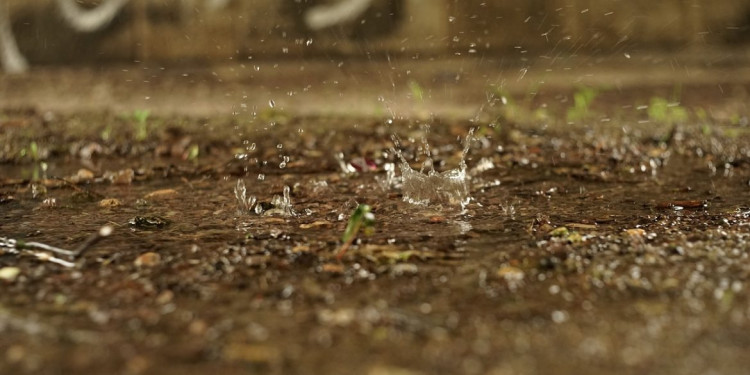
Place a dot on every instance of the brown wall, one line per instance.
(182, 31)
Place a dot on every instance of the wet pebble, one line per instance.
(123, 177)
(9, 274)
(15, 354)
(164, 297)
(110, 203)
(149, 259)
(82, 175)
(332, 268)
(197, 327)
(404, 269)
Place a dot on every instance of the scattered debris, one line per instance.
(45, 252)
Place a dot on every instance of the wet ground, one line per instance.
(606, 232)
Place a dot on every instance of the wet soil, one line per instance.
(607, 239)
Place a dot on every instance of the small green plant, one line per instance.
(34, 151)
(662, 111)
(106, 133)
(582, 100)
(416, 90)
(512, 111)
(361, 219)
(193, 152)
(274, 115)
(141, 122)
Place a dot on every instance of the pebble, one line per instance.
(9, 273)
(404, 269)
(149, 259)
(110, 203)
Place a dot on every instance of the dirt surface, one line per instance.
(605, 231)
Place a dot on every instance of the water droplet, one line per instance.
(271, 103)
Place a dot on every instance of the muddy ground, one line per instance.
(606, 232)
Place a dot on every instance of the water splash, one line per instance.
(244, 203)
(279, 205)
(282, 204)
(429, 186)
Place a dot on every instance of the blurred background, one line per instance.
(203, 31)
(364, 57)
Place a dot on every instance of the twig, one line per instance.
(44, 252)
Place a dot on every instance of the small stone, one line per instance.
(84, 175)
(9, 273)
(197, 327)
(15, 354)
(123, 177)
(149, 259)
(404, 269)
(110, 203)
(332, 268)
(164, 297)
(301, 249)
(510, 273)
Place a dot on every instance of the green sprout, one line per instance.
(662, 111)
(141, 120)
(517, 112)
(193, 152)
(362, 218)
(582, 100)
(416, 90)
(106, 133)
